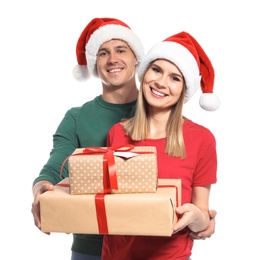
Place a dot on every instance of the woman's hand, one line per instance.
(191, 216)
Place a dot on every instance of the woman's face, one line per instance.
(162, 84)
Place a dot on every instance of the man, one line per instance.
(107, 48)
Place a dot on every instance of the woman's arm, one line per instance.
(194, 215)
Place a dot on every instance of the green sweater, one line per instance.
(83, 126)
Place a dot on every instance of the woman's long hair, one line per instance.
(138, 127)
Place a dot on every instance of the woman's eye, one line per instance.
(155, 69)
(176, 79)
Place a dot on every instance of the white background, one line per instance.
(37, 55)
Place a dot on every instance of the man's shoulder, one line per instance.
(84, 106)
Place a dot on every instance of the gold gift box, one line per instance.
(125, 214)
(136, 171)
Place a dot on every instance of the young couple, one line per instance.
(170, 74)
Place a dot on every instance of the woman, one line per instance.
(170, 74)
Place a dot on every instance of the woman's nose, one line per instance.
(161, 82)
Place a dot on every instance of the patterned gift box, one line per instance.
(124, 169)
(150, 214)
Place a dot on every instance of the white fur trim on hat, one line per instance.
(107, 33)
(209, 102)
(181, 57)
(81, 72)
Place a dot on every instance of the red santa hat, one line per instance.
(97, 32)
(186, 53)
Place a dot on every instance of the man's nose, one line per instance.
(113, 57)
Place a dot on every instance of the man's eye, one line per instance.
(102, 54)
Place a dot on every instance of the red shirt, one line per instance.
(197, 169)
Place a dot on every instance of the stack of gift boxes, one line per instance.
(112, 190)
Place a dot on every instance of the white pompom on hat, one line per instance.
(97, 32)
(186, 53)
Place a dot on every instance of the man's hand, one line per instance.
(39, 188)
(207, 233)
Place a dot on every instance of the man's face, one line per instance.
(116, 63)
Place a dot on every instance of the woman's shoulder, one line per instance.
(117, 135)
(118, 127)
(190, 125)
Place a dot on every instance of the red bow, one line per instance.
(109, 167)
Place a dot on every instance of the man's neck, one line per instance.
(120, 95)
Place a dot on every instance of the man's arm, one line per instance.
(209, 231)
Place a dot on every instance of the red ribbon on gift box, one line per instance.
(109, 167)
(109, 178)
(101, 214)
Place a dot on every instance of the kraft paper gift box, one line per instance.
(123, 214)
(124, 169)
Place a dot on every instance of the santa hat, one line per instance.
(97, 32)
(186, 53)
